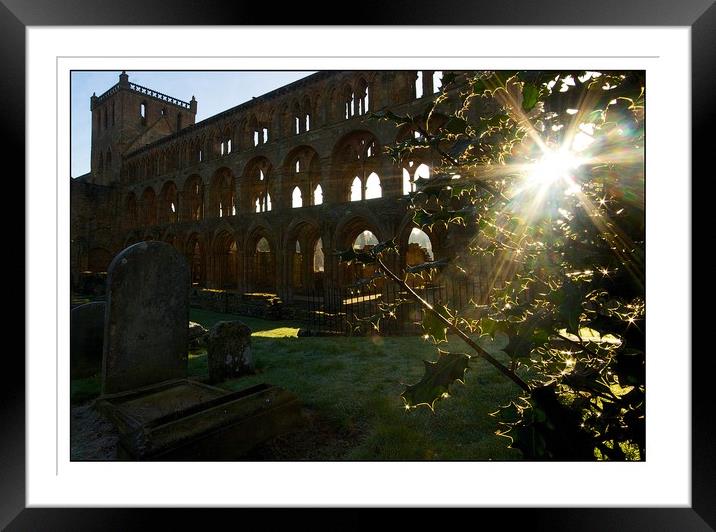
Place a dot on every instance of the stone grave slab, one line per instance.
(160, 414)
(188, 420)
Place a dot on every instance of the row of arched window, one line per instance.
(293, 119)
(306, 266)
(221, 200)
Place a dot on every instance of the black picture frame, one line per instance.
(16, 15)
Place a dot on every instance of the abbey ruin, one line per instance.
(257, 197)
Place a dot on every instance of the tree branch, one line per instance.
(465, 338)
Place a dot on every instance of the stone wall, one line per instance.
(199, 188)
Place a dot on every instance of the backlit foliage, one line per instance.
(545, 173)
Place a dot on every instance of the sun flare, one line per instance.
(554, 166)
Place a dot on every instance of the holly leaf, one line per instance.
(494, 344)
(435, 264)
(384, 246)
(422, 218)
(527, 336)
(455, 125)
(530, 95)
(433, 326)
(437, 379)
(449, 77)
(347, 255)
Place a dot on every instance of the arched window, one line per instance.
(372, 187)
(408, 185)
(437, 80)
(296, 199)
(308, 122)
(420, 249)
(361, 97)
(298, 165)
(263, 267)
(143, 110)
(356, 189)
(365, 241)
(419, 85)
(262, 246)
(318, 257)
(196, 263)
(265, 134)
(231, 273)
(263, 203)
(410, 181)
(318, 195)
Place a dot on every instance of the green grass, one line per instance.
(351, 388)
(259, 327)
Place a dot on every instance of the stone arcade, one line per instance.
(259, 196)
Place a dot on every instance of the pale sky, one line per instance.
(215, 92)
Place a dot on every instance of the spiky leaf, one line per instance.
(433, 325)
(439, 375)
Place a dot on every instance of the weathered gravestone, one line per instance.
(86, 339)
(159, 413)
(145, 335)
(197, 335)
(229, 351)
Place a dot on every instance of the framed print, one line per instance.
(316, 199)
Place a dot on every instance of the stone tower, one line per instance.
(127, 117)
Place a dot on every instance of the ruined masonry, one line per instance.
(258, 197)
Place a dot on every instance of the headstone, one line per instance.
(86, 339)
(229, 351)
(197, 335)
(146, 333)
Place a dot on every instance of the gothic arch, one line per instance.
(355, 156)
(168, 203)
(222, 202)
(302, 170)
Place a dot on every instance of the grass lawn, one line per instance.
(350, 389)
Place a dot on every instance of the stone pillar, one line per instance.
(427, 82)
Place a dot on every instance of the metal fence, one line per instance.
(385, 308)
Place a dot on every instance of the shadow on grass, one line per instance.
(350, 390)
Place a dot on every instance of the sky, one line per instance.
(215, 92)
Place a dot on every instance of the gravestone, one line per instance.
(229, 351)
(145, 332)
(197, 335)
(86, 339)
(158, 412)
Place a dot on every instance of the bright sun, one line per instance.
(554, 165)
